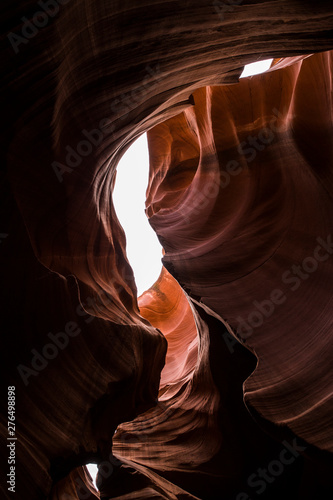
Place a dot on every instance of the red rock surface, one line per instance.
(250, 198)
(76, 93)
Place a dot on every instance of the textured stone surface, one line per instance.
(83, 354)
(253, 239)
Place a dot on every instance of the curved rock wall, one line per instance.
(246, 227)
(81, 81)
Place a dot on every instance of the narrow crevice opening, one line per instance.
(93, 470)
(143, 248)
(256, 68)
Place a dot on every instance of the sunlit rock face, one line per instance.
(240, 196)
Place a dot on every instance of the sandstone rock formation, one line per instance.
(240, 195)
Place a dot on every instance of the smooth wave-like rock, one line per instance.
(81, 81)
(246, 227)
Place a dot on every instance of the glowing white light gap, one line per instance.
(256, 68)
(93, 469)
(143, 249)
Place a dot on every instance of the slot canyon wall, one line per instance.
(216, 383)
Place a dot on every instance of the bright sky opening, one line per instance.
(256, 68)
(143, 249)
(92, 468)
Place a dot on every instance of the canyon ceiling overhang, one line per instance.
(240, 195)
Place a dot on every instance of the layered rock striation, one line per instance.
(240, 197)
